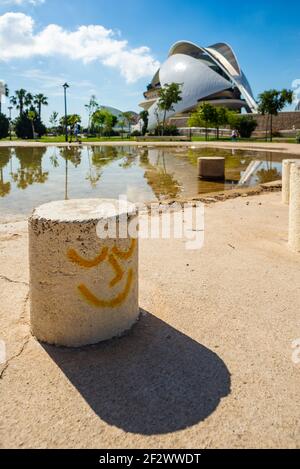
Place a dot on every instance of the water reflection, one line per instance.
(30, 169)
(34, 175)
(261, 171)
(4, 160)
(159, 178)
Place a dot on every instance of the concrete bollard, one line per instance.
(211, 167)
(294, 213)
(83, 289)
(286, 172)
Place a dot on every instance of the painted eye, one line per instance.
(114, 259)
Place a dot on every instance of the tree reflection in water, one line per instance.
(269, 174)
(30, 169)
(5, 156)
(100, 158)
(163, 184)
(129, 157)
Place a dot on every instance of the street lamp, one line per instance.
(10, 109)
(65, 87)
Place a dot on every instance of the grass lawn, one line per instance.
(61, 139)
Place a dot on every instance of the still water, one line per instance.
(32, 176)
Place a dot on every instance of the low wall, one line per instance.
(180, 138)
(285, 121)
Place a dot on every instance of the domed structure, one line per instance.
(210, 74)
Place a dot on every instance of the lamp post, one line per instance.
(65, 87)
(10, 109)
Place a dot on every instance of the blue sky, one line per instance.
(111, 49)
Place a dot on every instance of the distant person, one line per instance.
(234, 135)
(76, 132)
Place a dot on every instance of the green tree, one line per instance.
(109, 123)
(221, 119)
(98, 120)
(32, 116)
(72, 120)
(4, 126)
(144, 115)
(168, 96)
(270, 103)
(53, 120)
(40, 100)
(204, 116)
(21, 100)
(91, 107)
(23, 126)
(244, 124)
(130, 118)
(122, 124)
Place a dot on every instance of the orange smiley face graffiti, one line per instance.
(113, 258)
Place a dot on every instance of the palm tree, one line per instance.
(53, 120)
(4, 91)
(32, 117)
(40, 100)
(168, 96)
(122, 124)
(130, 118)
(91, 107)
(21, 99)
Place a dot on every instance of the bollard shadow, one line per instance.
(154, 380)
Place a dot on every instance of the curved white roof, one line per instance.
(202, 71)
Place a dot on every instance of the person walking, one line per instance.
(76, 132)
(234, 135)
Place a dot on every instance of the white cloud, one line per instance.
(18, 39)
(21, 2)
(50, 84)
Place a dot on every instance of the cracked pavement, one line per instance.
(208, 365)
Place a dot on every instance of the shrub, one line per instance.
(136, 133)
(170, 130)
(298, 137)
(4, 126)
(23, 127)
(110, 133)
(244, 124)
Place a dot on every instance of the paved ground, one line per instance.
(208, 365)
(292, 148)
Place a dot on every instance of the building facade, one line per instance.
(210, 74)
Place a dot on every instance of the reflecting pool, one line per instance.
(30, 176)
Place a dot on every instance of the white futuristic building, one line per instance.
(210, 74)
